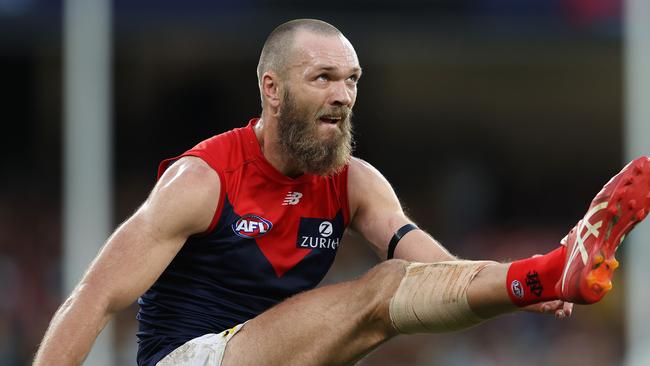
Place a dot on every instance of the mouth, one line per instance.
(330, 119)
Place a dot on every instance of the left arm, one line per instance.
(376, 214)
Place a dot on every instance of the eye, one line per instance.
(322, 77)
(353, 78)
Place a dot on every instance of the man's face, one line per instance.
(320, 88)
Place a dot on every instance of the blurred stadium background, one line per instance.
(495, 120)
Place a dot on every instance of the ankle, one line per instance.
(533, 280)
(486, 295)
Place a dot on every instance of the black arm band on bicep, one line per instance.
(396, 238)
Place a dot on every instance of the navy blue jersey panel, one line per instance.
(323, 238)
(219, 280)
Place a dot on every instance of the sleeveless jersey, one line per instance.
(271, 237)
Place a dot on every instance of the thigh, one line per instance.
(331, 325)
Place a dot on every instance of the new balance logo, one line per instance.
(292, 198)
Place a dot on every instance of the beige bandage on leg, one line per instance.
(432, 297)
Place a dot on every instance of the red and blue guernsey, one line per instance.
(271, 237)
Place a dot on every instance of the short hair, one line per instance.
(276, 48)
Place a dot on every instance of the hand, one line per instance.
(560, 308)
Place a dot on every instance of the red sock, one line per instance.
(533, 280)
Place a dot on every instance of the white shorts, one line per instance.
(204, 350)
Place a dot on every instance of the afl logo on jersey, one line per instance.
(251, 226)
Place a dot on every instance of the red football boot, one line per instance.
(592, 243)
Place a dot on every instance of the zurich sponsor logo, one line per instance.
(325, 229)
(316, 233)
(517, 289)
(251, 226)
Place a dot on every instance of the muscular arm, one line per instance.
(181, 204)
(377, 214)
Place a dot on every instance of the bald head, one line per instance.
(276, 52)
(308, 73)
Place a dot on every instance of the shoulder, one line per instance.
(221, 140)
(226, 150)
(368, 188)
(188, 191)
(189, 171)
(361, 173)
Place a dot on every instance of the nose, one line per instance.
(341, 95)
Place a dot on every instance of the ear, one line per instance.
(271, 89)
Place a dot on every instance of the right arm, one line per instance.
(182, 203)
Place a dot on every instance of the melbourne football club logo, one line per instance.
(251, 226)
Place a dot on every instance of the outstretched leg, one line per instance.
(339, 324)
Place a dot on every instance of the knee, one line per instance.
(386, 276)
(378, 286)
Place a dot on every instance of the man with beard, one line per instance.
(240, 229)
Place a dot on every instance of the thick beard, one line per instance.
(298, 133)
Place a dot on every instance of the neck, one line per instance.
(266, 130)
